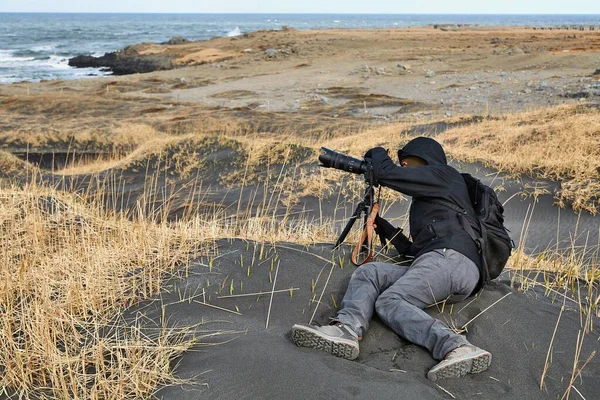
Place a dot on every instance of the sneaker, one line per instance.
(338, 340)
(461, 361)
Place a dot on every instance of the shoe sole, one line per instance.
(468, 364)
(304, 336)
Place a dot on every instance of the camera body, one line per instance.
(332, 159)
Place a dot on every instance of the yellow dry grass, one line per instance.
(66, 270)
(205, 56)
(561, 144)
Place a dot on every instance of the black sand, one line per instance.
(256, 362)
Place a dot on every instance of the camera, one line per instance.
(332, 159)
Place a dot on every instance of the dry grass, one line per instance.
(539, 143)
(66, 270)
(561, 144)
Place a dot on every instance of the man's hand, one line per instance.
(383, 227)
(369, 154)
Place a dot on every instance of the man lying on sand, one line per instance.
(445, 268)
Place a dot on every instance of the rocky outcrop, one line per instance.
(175, 40)
(124, 62)
(148, 57)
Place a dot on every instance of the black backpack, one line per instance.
(494, 243)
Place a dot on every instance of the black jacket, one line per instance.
(432, 226)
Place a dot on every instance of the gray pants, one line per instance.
(398, 294)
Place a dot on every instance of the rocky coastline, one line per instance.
(180, 52)
(123, 65)
(150, 57)
(124, 62)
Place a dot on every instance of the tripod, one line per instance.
(364, 206)
(370, 210)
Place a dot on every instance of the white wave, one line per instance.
(15, 59)
(98, 54)
(234, 32)
(337, 21)
(46, 47)
(52, 62)
(55, 62)
(7, 56)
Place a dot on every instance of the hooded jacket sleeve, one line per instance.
(422, 181)
(394, 235)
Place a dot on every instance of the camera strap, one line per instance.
(368, 232)
(367, 235)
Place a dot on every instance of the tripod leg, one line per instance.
(359, 209)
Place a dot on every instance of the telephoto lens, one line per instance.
(332, 159)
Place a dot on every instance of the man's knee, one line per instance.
(388, 300)
(366, 271)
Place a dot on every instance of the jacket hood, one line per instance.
(425, 148)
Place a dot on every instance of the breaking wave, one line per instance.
(234, 32)
(8, 57)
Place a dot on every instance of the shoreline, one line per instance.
(151, 57)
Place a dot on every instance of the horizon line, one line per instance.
(279, 13)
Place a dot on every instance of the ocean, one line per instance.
(37, 46)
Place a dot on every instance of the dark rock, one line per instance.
(543, 86)
(596, 72)
(577, 95)
(175, 40)
(124, 62)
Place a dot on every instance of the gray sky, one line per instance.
(308, 6)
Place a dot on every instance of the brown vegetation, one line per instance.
(67, 270)
(561, 144)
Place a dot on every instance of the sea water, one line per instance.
(37, 46)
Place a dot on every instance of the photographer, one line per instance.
(445, 268)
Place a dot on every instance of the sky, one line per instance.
(309, 6)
